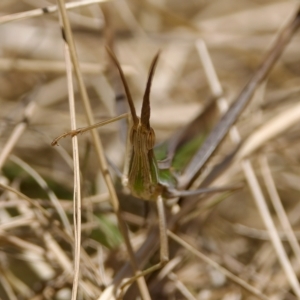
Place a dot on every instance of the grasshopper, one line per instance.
(144, 175)
(145, 179)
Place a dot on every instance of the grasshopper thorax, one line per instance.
(142, 137)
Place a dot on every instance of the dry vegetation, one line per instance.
(37, 243)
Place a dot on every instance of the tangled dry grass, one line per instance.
(244, 245)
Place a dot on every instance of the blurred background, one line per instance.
(34, 110)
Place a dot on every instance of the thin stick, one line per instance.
(164, 249)
(269, 130)
(68, 37)
(19, 221)
(285, 223)
(181, 287)
(81, 130)
(260, 234)
(212, 263)
(23, 244)
(215, 85)
(19, 129)
(77, 185)
(53, 66)
(45, 10)
(267, 219)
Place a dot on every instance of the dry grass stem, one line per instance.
(181, 287)
(270, 129)
(273, 194)
(77, 184)
(266, 217)
(228, 274)
(56, 67)
(68, 227)
(45, 10)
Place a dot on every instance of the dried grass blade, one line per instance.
(267, 219)
(285, 223)
(45, 10)
(215, 265)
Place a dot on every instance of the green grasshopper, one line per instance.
(144, 175)
(145, 179)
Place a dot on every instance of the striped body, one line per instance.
(143, 170)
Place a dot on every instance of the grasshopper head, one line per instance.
(142, 134)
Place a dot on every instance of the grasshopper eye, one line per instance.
(150, 139)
